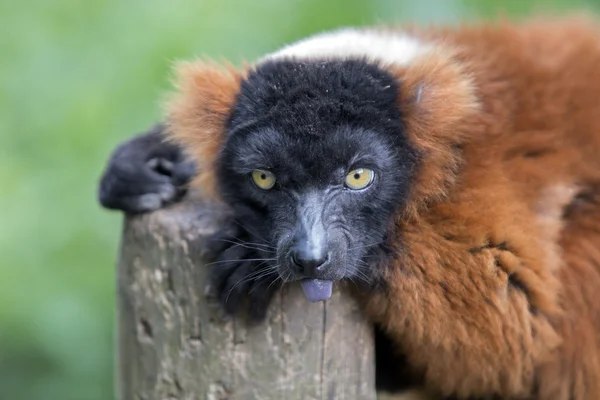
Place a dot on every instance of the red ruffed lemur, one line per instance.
(454, 173)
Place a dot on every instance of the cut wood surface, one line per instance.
(173, 344)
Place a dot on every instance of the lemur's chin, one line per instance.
(317, 290)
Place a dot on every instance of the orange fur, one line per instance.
(493, 287)
(455, 301)
(197, 114)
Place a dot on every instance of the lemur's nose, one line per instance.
(310, 247)
(309, 262)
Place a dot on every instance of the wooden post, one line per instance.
(173, 345)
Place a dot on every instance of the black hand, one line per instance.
(242, 271)
(145, 173)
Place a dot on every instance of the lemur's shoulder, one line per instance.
(486, 271)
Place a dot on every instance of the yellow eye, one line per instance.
(359, 178)
(263, 179)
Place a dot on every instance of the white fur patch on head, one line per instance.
(386, 47)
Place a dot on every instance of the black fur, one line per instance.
(310, 123)
(145, 173)
(316, 98)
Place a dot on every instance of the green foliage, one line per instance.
(77, 77)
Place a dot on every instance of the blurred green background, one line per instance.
(77, 77)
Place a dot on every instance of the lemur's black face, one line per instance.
(315, 164)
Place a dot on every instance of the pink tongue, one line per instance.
(316, 290)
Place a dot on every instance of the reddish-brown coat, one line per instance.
(493, 290)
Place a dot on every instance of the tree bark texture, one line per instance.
(173, 344)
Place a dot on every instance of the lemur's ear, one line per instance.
(438, 100)
(197, 114)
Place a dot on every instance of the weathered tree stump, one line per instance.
(173, 344)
